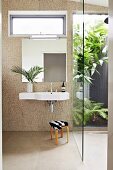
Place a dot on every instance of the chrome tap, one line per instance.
(51, 87)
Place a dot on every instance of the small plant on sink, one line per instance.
(30, 74)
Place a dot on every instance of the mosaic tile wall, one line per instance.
(21, 115)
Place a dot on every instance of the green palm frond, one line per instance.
(31, 74)
(19, 70)
(86, 65)
(34, 71)
(91, 109)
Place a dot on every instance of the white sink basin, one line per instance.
(44, 96)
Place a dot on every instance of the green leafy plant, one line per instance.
(92, 110)
(31, 74)
(94, 43)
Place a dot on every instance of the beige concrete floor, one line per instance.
(35, 151)
(95, 149)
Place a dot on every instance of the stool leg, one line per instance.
(51, 132)
(56, 137)
(67, 133)
(61, 132)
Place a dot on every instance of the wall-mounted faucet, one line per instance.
(51, 87)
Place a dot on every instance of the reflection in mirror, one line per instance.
(49, 54)
(55, 67)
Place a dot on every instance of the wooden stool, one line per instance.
(58, 126)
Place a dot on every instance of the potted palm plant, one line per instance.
(30, 75)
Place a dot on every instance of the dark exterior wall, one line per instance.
(99, 88)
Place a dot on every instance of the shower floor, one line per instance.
(95, 149)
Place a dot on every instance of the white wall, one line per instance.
(0, 89)
(33, 52)
(110, 91)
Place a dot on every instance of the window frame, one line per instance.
(29, 15)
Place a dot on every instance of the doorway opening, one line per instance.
(90, 77)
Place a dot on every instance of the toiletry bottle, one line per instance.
(63, 88)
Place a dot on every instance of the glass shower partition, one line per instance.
(78, 78)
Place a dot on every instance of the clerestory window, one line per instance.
(22, 24)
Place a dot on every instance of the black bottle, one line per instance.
(63, 88)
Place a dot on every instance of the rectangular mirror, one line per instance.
(47, 53)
